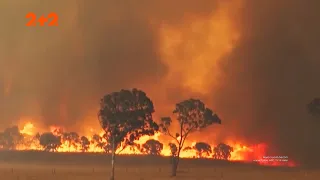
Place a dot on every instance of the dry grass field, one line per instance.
(59, 166)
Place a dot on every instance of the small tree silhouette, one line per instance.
(10, 138)
(222, 151)
(98, 141)
(72, 138)
(50, 142)
(85, 143)
(152, 147)
(203, 149)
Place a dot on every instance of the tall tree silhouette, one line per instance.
(125, 116)
(191, 115)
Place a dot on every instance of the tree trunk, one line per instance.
(175, 162)
(113, 159)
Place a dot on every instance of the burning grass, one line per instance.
(27, 138)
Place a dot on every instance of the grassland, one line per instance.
(72, 166)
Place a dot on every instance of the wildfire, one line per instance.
(191, 50)
(241, 152)
(56, 130)
(28, 129)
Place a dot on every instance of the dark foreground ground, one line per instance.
(90, 166)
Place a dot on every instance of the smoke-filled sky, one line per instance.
(255, 62)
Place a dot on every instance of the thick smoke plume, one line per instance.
(256, 63)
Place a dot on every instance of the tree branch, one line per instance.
(121, 150)
(169, 134)
(186, 134)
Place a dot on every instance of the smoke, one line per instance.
(254, 62)
(271, 75)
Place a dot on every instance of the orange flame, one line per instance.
(28, 129)
(256, 153)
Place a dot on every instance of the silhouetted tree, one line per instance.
(173, 149)
(314, 107)
(10, 138)
(125, 116)
(50, 142)
(202, 148)
(222, 151)
(85, 143)
(192, 115)
(34, 141)
(98, 141)
(37, 136)
(107, 145)
(152, 147)
(188, 148)
(72, 138)
(173, 152)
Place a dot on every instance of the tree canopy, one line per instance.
(127, 115)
